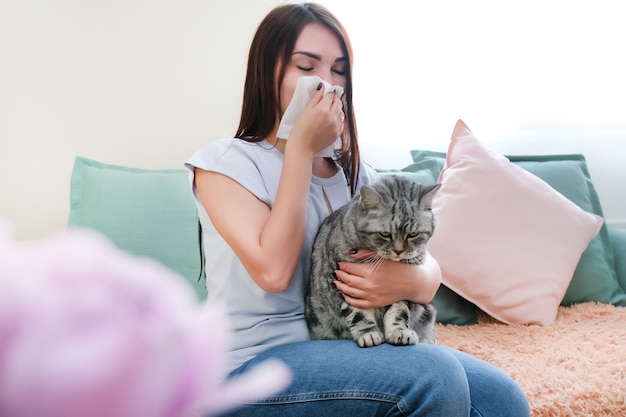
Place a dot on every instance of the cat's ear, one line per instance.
(370, 199)
(428, 193)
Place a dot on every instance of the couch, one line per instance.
(556, 323)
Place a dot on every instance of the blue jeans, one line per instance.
(337, 378)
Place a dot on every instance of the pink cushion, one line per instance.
(505, 239)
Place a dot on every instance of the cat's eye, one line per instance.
(412, 234)
(386, 235)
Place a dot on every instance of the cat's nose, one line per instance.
(398, 251)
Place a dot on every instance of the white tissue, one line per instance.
(305, 90)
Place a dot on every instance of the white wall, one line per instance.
(144, 84)
(131, 82)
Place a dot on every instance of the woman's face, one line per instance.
(316, 52)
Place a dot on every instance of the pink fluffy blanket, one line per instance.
(575, 367)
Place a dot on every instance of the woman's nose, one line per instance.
(326, 75)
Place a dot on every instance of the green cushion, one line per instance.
(618, 240)
(147, 212)
(451, 307)
(454, 309)
(421, 172)
(435, 161)
(595, 278)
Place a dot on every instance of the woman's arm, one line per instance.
(371, 285)
(269, 242)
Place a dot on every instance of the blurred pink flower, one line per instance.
(89, 330)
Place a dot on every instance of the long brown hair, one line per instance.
(273, 45)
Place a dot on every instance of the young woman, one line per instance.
(261, 200)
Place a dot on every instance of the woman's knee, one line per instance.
(443, 388)
(493, 391)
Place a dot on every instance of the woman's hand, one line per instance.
(320, 123)
(384, 282)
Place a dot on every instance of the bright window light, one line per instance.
(549, 65)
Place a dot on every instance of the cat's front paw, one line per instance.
(402, 337)
(369, 339)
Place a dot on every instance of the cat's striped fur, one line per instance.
(393, 218)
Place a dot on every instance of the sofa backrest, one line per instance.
(150, 212)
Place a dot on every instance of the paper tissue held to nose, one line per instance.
(305, 90)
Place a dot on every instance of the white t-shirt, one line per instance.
(260, 319)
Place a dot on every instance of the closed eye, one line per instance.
(340, 72)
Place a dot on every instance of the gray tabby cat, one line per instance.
(393, 218)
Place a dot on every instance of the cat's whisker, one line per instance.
(376, 264)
